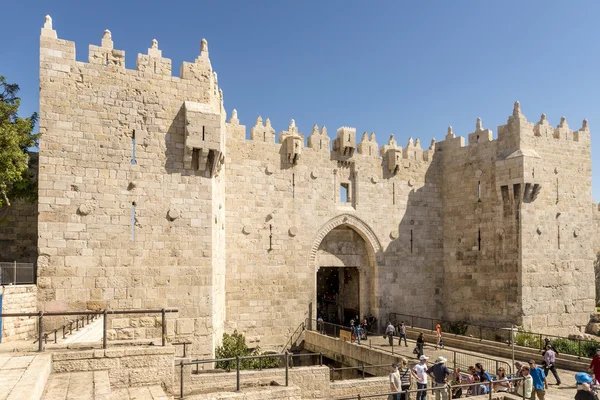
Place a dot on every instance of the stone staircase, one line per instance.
(24, 377)
(96, 385)
(78, 386)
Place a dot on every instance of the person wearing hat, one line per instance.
(540, 384)
(584, 391)
(525, 387)
(440, 377)
(518, 373)
(395, 385)
(419, 371)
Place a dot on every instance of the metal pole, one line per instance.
(63, 329)
(40, 328)
(260, 364)
(180, 379)
(512, 340)
(55, 336)
(237, 373)
(454, 358)
(490, 391)
(320, 359)
(164, 330)
(579, 351)
(287, 371)
(104, 336)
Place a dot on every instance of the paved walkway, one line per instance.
(24, 377)
(139, 393)
(91, 333)
(563, 392)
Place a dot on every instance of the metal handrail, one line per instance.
(285, 356)
(454, 352)
(359, 367)
(539, 336)
(432, 389)
(40, 315)
(300, 328)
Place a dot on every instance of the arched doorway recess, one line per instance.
(344, 261)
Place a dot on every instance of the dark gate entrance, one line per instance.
(338, 292)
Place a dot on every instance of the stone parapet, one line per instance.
(18, 299)
(127, 367)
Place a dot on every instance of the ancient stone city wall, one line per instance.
(147, 195)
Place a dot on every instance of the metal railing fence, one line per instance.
(448, 388)
(576, 347)
(14, 273)
(284, 357)
(105, 313)
(456, 359)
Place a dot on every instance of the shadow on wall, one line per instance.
(416, 246)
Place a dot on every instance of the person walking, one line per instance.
(540, 384)
(402, 334)
(550, 358)
(595, 365)
(395, 385)
(420, 345)
(438, 335)
(526, 386)
(358, 331)
(405, 378)
(419, 372)
(389, 333)
(440, 377)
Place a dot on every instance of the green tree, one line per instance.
(16, 138)
(234, 345)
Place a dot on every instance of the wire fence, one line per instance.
(14, 273)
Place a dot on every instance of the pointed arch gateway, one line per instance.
(343, 259)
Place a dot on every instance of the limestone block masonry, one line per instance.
(149, 198)
(18, 299)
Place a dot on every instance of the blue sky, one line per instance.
(408, 68)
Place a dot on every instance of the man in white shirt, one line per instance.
(395, 385)
(389, 332)
(419, 371)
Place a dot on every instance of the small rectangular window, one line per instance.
(133, 148)
(133, 221)
(344, 192)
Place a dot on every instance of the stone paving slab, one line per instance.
(24, 377)
(78, 386)
(140, 393)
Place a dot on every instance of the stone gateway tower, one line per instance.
(150, 199)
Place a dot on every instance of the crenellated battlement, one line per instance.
(57, 53)
(520, 133)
